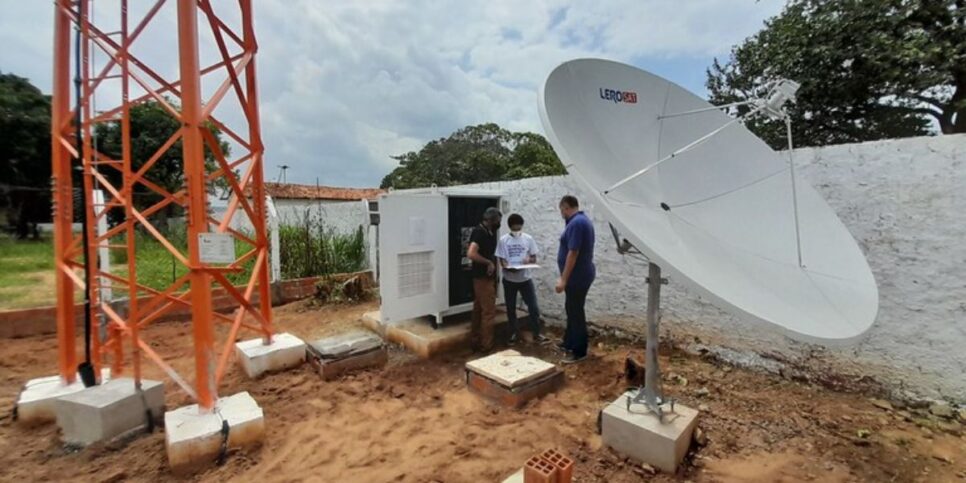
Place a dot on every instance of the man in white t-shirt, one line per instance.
(514, 249)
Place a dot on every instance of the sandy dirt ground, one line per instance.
(415, 421)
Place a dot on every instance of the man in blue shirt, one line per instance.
(575, 259)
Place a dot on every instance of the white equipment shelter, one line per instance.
(423, 236)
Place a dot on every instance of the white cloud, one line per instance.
(344, 85)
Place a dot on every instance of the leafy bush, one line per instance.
(339, 288)
(309, 249)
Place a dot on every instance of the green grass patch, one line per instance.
(26, 273)
(158, 268)
(307, 249)
(20, 256)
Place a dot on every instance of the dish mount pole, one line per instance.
(651, 395)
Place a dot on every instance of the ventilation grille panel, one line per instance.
(415, 274)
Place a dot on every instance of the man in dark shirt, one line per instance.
(482, 252)
(575, 259)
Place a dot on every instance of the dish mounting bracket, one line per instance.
(651, 395)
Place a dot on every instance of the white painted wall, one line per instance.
(343, 217)
(905, 203)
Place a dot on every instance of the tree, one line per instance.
(869, 69)
(475, 154)
(24, 154)
(151, 127)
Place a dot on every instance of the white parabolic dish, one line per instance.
(729, 230)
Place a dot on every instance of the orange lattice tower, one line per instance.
(117, 77)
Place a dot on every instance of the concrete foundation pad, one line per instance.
(103, 412)
(373, 321)
(37, 400)
(418, 334)
(194, 439)
(640, 435)
(514, 397)
(257, 358)
(334, 356)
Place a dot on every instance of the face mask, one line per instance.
(516, 233)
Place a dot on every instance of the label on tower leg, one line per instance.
(216, 248)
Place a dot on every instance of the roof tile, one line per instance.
(312, 192)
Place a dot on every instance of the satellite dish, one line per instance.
(704, 199)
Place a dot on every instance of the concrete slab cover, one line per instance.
(332, 368)
(510, 368)
(346, 344)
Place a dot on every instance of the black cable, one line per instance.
(223, 450)
(147, 410)
(85, 369)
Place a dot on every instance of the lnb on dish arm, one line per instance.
(780, 92)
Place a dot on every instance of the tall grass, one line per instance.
(158, 268)
(309, 249)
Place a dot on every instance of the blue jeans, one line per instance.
(529, 294)
(575, 337)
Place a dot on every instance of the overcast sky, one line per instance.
(346, 84)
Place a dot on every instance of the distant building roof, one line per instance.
(312, 192)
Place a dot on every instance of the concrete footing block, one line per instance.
(640, 435)
(36, 402)
(195, 438)
(257, 358)
(109, 410)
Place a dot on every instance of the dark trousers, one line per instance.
(529, 293)
(575, 338)
(484, 312)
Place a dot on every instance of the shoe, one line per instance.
(571, 358)
(541, 339)
(513, 340)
